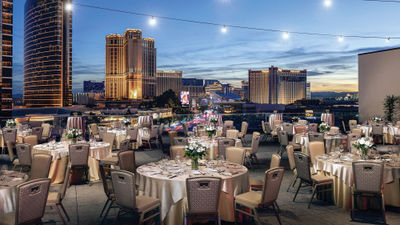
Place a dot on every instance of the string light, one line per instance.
(327, 3)
(239, 26)
(285, 35)
(152, 21)
(69, 6)
(341, 38)
(224, 29)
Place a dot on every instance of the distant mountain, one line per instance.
(330, 94)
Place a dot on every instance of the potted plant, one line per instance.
(73, 134)
(364, 144)
(377, 119)
(211, 131)
(195, 151)
(324, 127)
(11, 123)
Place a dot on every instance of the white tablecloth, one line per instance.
(331, 141)
(8, 182)
(328, 118)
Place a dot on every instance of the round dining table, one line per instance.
(166, 180)
(8, 181)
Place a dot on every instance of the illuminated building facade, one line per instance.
(194, 86)
(214, 87)
(166, 80)
(277, 86)
(130, 66)
(6, 35)
(47, 53)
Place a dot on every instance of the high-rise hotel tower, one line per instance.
(6, 35)
(47, 53)
(130, 66)
(277, 86)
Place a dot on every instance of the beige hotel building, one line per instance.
(166, 80)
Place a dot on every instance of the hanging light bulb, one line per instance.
(340, 38)
(152, 21)
(69, 6)
(224, 29)
(327, 3)
(285, 35)
(387, 40)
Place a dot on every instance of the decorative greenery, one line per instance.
(213, 119)
(376, 119)
(126, 122)
(324, 127)
(364, 144)
(73, 133)
(195, 151)
(389, 107)
(211, 131)
(11, 123)
(295, 119)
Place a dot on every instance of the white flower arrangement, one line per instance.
(73, 133)
(195, 150)
(211, 131)
(376, 119)
(295, 119)
(324, 127)
(213, 119)
(364, 144)
(11, 123)
(126, 122)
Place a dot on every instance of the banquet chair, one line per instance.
(251, 152)
(124, 145)
(316, 148)
(235, 155)
(276, 123)
(10, 138)
(313, 127)
(31, 200)
(125, 198)
(32, 140)
(127, 160)
(102, 131)
(180, 141)
(352, 124)
(334, 130)
(222, 145)
(292, 164)
(315, 137)
(232, 134)
(228, 123)
(40, 166)
(350, 140)
(368, 177)
(288, 127)
(185, 129)
(302, 122)
(152, 137)
(398, 123)
(94, 131)
(255, 200)
(257, 185)
(78, 156)
(356, 131)
(24, 156)
(109, 138)
(172, 134)
(46, 133)
(177, 150)
(377, 132)
(284, 141)
(38, 132)
(55, 198)
(33, 124)
(132, 133)
(266, 130)
(107, 187)
(300, 129)
(302, 162)
(243, 130)
(203, 194)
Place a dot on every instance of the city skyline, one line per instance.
(203, 51)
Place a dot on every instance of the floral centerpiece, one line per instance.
(295, 119)
(376, 119)
(195, 151)
(11, 123)
(213, 119)
(126, 122)
(73, 134)
(211, 131)
(324, 127)
(364, 144)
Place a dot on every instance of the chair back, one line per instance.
(9, 135)
(272, 183)
(334, 130)
(314, 136)
(303, 122)
(313, 127)
(38, 131)
(302, 162)
(223, 144)
(255, 142)
(106, 188)
(377, 129)
(46, 133)
(65, 184)
(350, 140)
(290, 152)
(300, 129)
(266, 127)
(172, 134)
(244, 127)
(283, 138)
(102, 131)
(24, 154)
(79, 154)
(94, 130)
(232, 134)
(288, 127)
(109, 138)
(124, 188)
(132, 132)
(35, 123)
(203, 194)
(352, 124)
(276, 123)
(397, 123)
(124, 145)
(32, 140)
(154, 131)
(185, 128)
(31, 200)
(177, 150)
(316, 148)
(180, 141)
(275, 161)
(368, 176)
(127, 160)
(228, 123)
(356, 131)
(40, 166)
(235, 155)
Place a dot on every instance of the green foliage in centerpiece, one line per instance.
(364, 144)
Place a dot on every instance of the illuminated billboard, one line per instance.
(185, 98)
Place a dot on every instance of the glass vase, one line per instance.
(73, 140)
(195, 164)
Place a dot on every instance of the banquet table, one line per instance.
(212, 145)
(8, 182)
(166, 180)
(21, 133)
(331, 141)
(340, 169)
(328, 118)
(389, 131)
(120, 135)
(60, 153)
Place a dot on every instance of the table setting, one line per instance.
(8, 181)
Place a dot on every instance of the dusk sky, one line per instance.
(203, 51)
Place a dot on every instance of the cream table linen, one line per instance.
(172, 191)
(8, 182)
